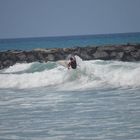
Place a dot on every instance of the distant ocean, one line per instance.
(68, 41)
(100, 100)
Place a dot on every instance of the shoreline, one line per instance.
(128, 52)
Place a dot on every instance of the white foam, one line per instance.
(18, 67)
(114, 73)
(89, 74)
(30, 80)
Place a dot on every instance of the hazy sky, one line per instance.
(34, 18)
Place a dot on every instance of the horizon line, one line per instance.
(34, 37)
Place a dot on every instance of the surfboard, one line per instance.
(63, 63)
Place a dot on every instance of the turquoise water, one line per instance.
(100, 100)
(69, 41)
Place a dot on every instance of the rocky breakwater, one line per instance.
(115, 52)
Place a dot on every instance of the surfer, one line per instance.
(72, 63)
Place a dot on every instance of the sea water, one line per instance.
(68, 41)
(100, 100)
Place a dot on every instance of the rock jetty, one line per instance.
(127, 52)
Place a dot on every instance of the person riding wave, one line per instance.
(72, 64)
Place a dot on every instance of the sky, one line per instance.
(43, 18)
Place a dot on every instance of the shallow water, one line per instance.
(42, 114)
(45, 101)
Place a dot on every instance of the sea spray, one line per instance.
(89, 74)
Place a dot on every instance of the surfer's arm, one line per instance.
(69, 64)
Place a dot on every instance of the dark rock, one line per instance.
(39, 56)
(21, 57)
(1, 65)
(101, 55)
(50, 57)
(117, 55)
(108, 48)
(3, 56)
(8, 63)
(30, 57)
(127, 52)
(135, 54)
(129, 49)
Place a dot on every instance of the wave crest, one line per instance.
(89, 74)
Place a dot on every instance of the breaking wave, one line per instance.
(89, 74)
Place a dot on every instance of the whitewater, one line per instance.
(45, 101)
(89, 74)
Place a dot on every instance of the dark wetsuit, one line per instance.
(73, 64)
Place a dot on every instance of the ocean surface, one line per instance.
(100, 100)
(68, 41)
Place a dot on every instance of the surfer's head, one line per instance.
(71, 58)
